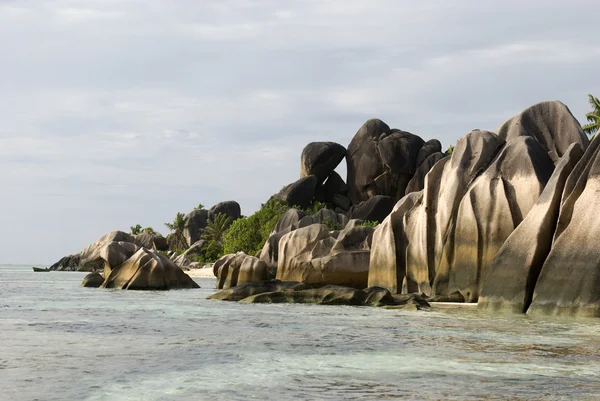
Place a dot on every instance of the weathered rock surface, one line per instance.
(147, 270)
(515, 269)
(550, 123)
(388, 255)
(115, 253)
(417, 182)
(494, 205)
(93, 280)
(292, 292)
(246, 290)
(151, 241)
(328, 295)
(300, 193)
(67, 263)
(334, 185)
(442, 240)
(569, 282)
(228, 208)
(430, 147)
(320, 159)
(381, 161)
(313, 255)
(376, 208)
(236, 269)
(195, 222)
(90, 256)
(324, 216)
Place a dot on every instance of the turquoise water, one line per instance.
(63, 342)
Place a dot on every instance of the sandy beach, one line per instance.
(206, 272)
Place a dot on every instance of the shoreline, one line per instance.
(204, 272)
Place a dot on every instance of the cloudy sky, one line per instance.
(117, 112)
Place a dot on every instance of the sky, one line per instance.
(119, 112)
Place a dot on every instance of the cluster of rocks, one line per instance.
(507, 220)
(195, 223)
(383, 165)
(277, 291)
(485, 225)
(126, 265)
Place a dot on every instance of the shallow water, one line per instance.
(63, 342)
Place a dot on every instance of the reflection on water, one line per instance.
(63, 342)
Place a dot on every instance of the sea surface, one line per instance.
(59, 341)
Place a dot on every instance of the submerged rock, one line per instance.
(92, 280)
(246, 290)
(293, 292)
(328, 295)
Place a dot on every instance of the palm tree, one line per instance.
(216, 227)
(178, 226)
(593, 117)
(135, 230)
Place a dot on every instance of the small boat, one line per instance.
(40, 269)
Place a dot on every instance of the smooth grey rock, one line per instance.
(320, 159)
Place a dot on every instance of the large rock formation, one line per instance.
(195, 222)
(67, 263)
(516, 267)
(314, 255)
(550, 123)
(299, 193)
(569, 282)
(381, 161)
(146, 270)
(494, 205)
(376, 208)
(292, 220)
(442, 241)
(237, 269)
(320, 159)
(228, 208)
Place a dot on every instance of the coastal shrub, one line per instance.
(248, 234)
(332, 225)
(368, 223)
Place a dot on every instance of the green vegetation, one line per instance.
(248, 234)
(368, 223)
(177, 226)
(450, 150)
(135, 230)
(593, 117)
(332, 225)
(150, 230)
(216, 228)
(200, 206)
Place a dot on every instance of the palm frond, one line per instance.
(595, 103)
(593, 118)
(590, 129)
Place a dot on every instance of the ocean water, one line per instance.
(59, 341)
